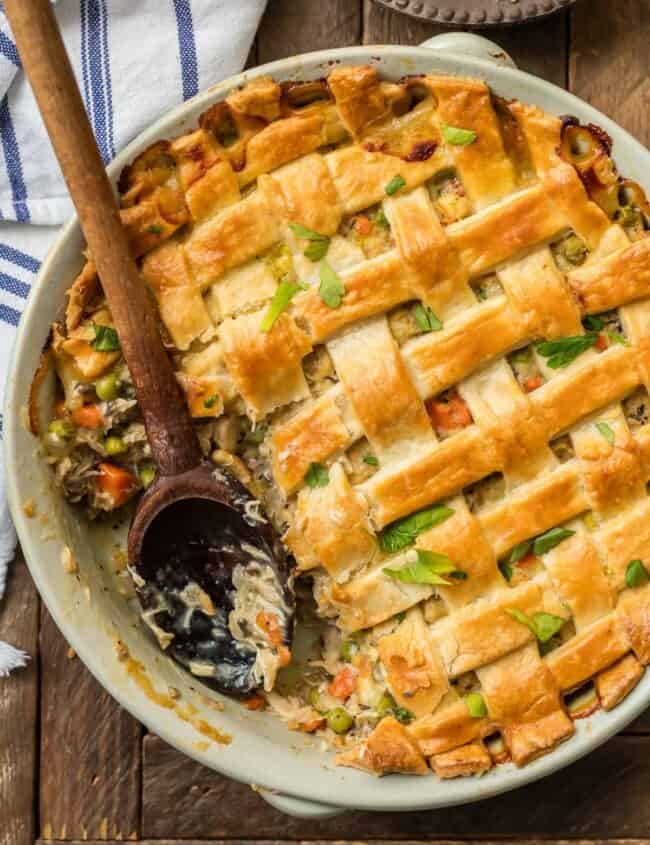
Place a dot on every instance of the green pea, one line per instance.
(147, 475)
(108, 387)
(574, 250)
(61, 428)
(339, 720)
(114, 446)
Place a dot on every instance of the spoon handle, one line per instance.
(168, 423)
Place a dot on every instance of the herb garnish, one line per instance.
(427, 568)
(371, 460)
(283, 295)
(106, 339)
(457, 136)
(636, 574)
(404, 532)
(318, 244)
(394, 185)
(563, 351)
(542, 625)
(425, 318)
(332, 289)
(476, 705)
(317, 476)
(607, 432)
(538, 545)
(210, 401)
(505, 569)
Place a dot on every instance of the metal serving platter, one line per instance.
(476, 13)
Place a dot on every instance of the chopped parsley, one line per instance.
(371, 460)
(106, 339)
(210, 401)
(318, 244)
(427, 568)
(606, 431)
(505, 569)
(155, 229)
(542, 625)
(283, 295)
(562, 352)
(636, 574)
(404, 532)
(317, 476)
(332, 289)
(425, 318)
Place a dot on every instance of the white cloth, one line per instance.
(134, 60)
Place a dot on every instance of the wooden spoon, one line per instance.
(196, 527)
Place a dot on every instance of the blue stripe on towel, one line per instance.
(96, 74)
(14, 286)
(187, 48)
(84, 56)
(107, 78)
(9, 315)
(8, 49)
(13, 163)
(21, 259)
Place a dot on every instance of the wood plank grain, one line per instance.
(184, 800)
(352, 842)
(539, 48)
(609, 62)
(18, 710)
(90, 751)
(288, 27)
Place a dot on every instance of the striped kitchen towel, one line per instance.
(134, 60)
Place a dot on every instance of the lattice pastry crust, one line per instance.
(462, 232)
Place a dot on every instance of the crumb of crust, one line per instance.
(202, 745)
(69, 561)
(121, 651)
(29, 508)
(43, 519)
(173, 692)
(71, 653)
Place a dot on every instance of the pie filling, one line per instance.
(413, 319)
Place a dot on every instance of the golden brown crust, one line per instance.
(389, 748)
(613, 684)
(510, 239)
(472, 759)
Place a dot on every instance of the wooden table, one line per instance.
(74, 766)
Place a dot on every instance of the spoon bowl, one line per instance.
(193, 541)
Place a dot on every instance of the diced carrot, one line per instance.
(527, 560)
(602, 342)
(533, 383)
(344, 683)
(255, 702)
(449, 415)
(88, 416)
(118, 483)
(312, 725)
(268, 622)
(362, 225)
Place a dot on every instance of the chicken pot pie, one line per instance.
(414, 319)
